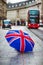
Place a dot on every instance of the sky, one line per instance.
(15, 1)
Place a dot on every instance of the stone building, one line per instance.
(3, 10)
(19, 10)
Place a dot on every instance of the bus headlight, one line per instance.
(29, 24)
(38, 24)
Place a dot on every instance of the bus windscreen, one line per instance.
(33, 16)
(33, 12)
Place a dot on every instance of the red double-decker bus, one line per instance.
(33, 18)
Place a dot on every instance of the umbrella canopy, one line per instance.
(20, 40)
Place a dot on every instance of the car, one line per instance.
(6, 24)
(41, 23)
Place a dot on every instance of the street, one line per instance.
(39, 33)
(9, 56)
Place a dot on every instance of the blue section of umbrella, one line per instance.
(20, 40)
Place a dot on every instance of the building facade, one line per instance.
(3, 10)
(19, 10)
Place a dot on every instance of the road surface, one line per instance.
(9, 56)
(38, 33)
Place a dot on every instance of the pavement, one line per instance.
(9, 56)
(41, 28)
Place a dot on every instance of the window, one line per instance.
(30, 2)
(12, 5)
(19, 4)
(23, 3)
(26, 3)
(9, 6)
(16, 5)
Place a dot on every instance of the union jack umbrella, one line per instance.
(20, 40)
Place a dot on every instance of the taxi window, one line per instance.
(6, 22)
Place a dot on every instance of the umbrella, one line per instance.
(20, 40)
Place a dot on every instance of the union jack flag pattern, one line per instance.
(20, 40)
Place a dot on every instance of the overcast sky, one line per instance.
(15, 1)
